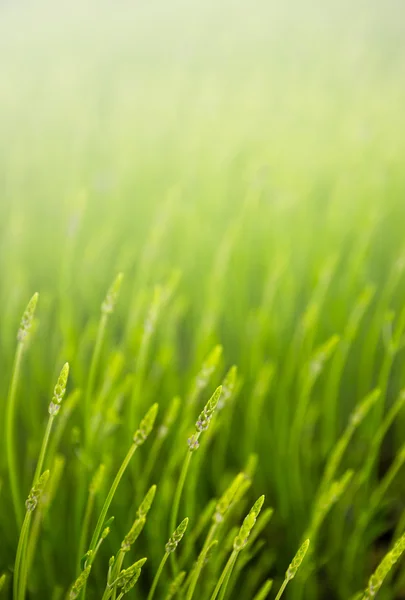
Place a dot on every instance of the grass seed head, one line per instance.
(228, 386)
(208, 367)
(321, 356)
(85, 558)
(131, 583)
(97, 480)
(177, 536)
(146, 425)
(126, 576)
(193, 442)
(361, 411)
(133, 534)
(59, 390)
(79, 583)
(389, 560)
(36, 492)
(241, 539)
(209, 551)
(336, 489)
(111, 298)
(27, 318)
(153, 312)
(206, 415)
(327, 499)
(296, 561)
(170, 417)
(224, 503)
(175, 585)
(146, 503)
(2, 581)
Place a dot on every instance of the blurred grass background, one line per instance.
(257, 149)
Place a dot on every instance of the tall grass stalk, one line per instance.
(385, 566)
(201, 425)
(58, 465)
(222, 508)
(22, 562)
(162, 433)
(355, 419)
(254, 546)
(94, 488)
(171, 546)
(129, 577)
(375, 501)
(175, 585)
(139, 438)
(9, 433)
(128, 541)
(339, 361)
(141, 361)
(239, 543)
(293, 568)
(107, 308)
(264, 591)
(224, 405)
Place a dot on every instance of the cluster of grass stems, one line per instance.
(250, 188)
(205, 569)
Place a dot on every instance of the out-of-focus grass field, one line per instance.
(243, 166)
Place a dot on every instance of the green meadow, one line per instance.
(202, 317)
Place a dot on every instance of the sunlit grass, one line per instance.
(250, 189)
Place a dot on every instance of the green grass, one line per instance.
(243, 169)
